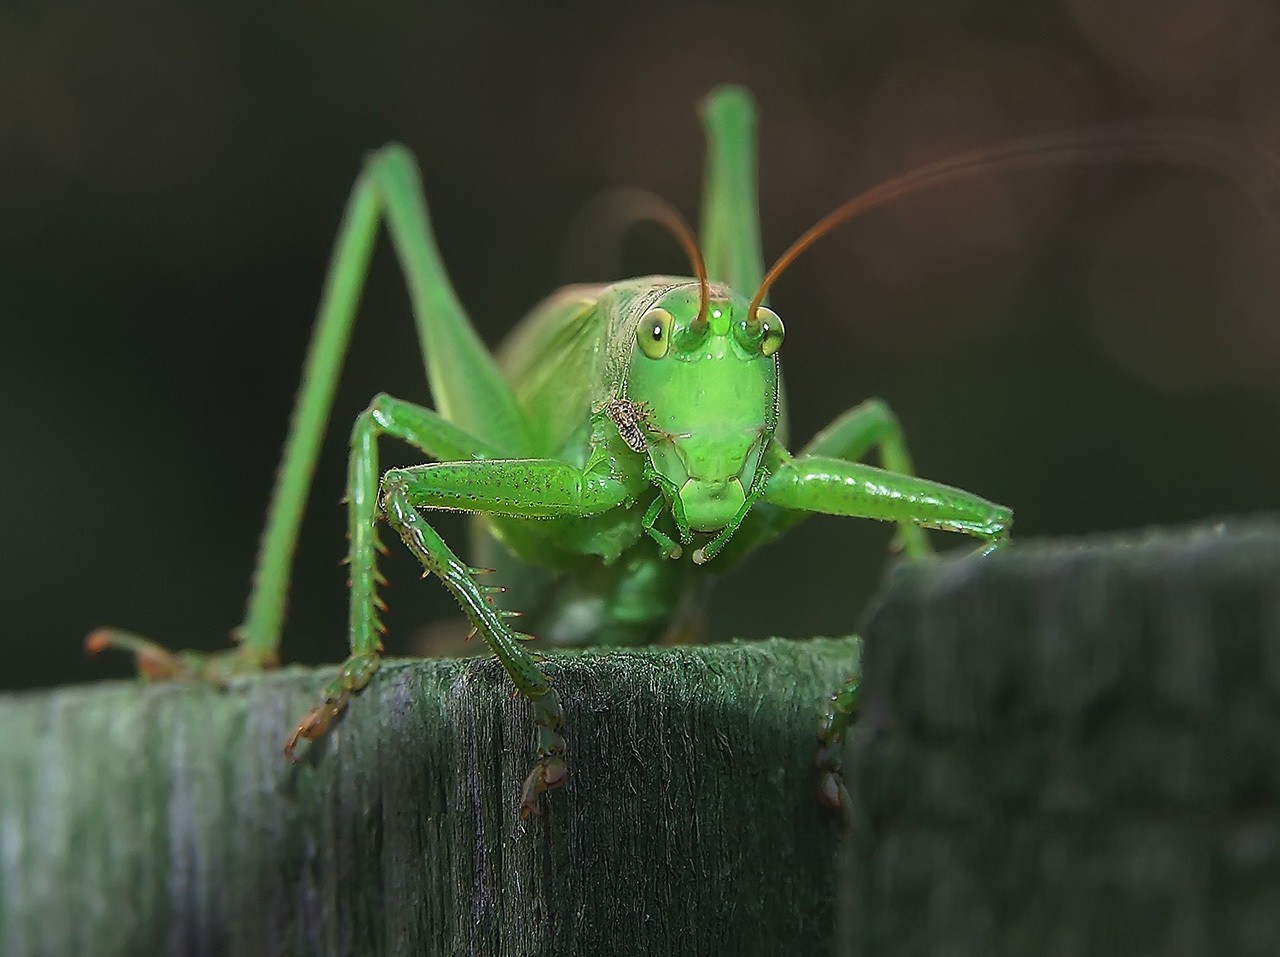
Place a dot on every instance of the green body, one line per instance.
(602, 577)
(622, 446)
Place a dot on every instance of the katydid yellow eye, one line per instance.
(653, 334)
(771, 331)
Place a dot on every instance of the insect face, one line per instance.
(710, 385)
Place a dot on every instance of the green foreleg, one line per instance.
(527, 488)
(864, 427)
(521, 488)
(818, 483)
(429, 432)
(549, 770)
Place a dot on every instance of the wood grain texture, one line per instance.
(162, 819)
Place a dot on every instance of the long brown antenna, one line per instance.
(635, 205)
(1243, 162)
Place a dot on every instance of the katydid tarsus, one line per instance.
(625, 441)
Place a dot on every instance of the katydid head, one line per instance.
(709, 389)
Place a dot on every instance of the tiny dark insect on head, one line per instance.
(629, 417)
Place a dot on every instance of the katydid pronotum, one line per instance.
(625, 441)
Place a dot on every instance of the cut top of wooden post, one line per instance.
(163, 819)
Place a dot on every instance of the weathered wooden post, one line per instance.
(1065, 748)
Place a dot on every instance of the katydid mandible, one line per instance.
(625, 442)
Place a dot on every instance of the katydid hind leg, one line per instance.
(468, 387)
(259, 635)
(463, 377)
(461, 373)
(730, 234)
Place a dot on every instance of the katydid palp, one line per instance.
(626, 441)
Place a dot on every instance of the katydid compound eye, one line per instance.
(654, 333)
(771, 331)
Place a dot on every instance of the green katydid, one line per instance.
(625, 441)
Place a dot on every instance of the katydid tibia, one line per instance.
(625, 441)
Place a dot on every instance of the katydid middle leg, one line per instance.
(868, 426)
(852, 435)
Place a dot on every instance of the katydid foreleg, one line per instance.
(529, 488)
(429, 432)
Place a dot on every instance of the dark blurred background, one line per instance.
(1097, 348)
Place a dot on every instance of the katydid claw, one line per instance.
(356, 672)
(832, 792)
(157, 663)
(550, 772)
(314, 724)
(832, 729)
(831, 789)
(154, 662)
